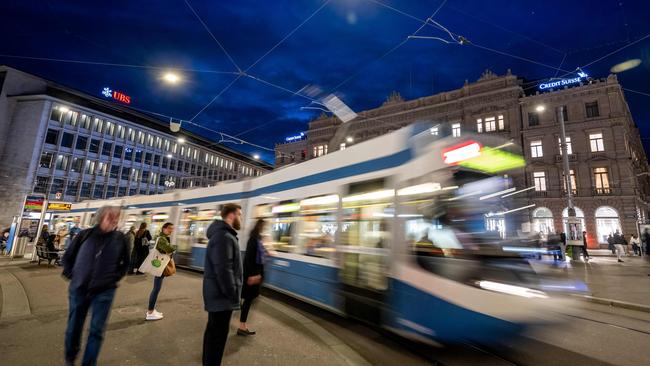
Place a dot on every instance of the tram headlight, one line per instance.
(511, 289)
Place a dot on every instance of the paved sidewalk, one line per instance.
(607, 278)
(33, 330)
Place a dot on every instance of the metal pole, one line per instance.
(571, 212)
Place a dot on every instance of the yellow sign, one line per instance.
(59, 206)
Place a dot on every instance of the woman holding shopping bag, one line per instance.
(165, 248)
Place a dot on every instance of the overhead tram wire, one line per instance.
(112, 64)
(288, 35)
(393, 49)
(212, 35)
(215, 97)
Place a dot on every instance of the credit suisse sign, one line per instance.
(116, 95)
(563, 82)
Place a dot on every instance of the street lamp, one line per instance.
(256, 157)
(171, 77)
(181, 140)
(169, 156)
(349, 139)
(540, 108)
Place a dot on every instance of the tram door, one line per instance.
(364, 247)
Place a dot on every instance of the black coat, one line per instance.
(222, 276)
(251, 268)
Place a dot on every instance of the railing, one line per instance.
(572, 157)
(539, 193)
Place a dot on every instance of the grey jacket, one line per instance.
(222, 276)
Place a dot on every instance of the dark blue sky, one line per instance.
(342, 41)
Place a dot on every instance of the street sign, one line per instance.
(58, 195)
(59, 206)
(33, 205)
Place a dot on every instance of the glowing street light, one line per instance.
(349, 139)
(169, 156)
(256, 157)
(171, 77)
(181, 140)
(540, 108)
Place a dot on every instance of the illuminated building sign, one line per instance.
(295, 138)
(117, 95)
(59, 206)
(563, 82)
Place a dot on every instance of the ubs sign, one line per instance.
(117, 95)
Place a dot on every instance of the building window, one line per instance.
(85, 190)
(110, 192)
(71, 189)
(592, 109)
(479, 125)
(90, 167)
(82, 143)
(106, 149)
(99, 191)
(572, 177)
(67, 140)
(540, 181)
(101, 169)
(140, 137)
(145, 176)
(596, 141)
(434, 131)
(94, 146)
(147, 158)
(109, 129)
(342, 146)
(128, 154)
(533, 119)
(131, 135)
(601, 178)
(543, 220)
(126, 173)
(536, 150)
(502, 123)
(77, 165)
(135, 173)
(52, 137)
(149, 140)
(490, 124)
(62, 162)
(607, 223)
(455, 129)
(156, 160)
(46, 160)
(138, 156)
(569, 149)
(565, 113)
(121, 192)
(115, 171)
(57, 186)
(41, 185)
(117, 152)
(85, 121)
(99, 124)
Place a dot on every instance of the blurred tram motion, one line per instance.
(405, 231)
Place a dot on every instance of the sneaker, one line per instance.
(157, 312)
(245, 332)
(153, 316)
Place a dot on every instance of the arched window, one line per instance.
(607, 222)
(543, 221)
(579, 215)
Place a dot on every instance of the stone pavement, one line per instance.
(34, 314)
(608, 279)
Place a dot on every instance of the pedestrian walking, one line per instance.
(563, 247)
(636, 247)
(610, 243)
(619, 244)
(163, 246)
(585, 254)
(253, 275)
(130, 238)
(95, 262)
(222, 281)
(142, 239)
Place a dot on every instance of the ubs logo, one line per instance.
(117, 95)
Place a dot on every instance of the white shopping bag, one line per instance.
(155, 263)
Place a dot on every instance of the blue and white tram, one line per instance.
(390, 231)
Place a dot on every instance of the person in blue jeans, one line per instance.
(95, 262)
(164, 247)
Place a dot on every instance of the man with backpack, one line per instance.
(96, 260)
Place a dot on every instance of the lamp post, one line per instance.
(573, 234)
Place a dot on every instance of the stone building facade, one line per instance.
(607, 160)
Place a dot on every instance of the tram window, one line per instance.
(367, 212)
(282, 224)
(317, 226)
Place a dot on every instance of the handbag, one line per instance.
(155, 263)
(170, 269)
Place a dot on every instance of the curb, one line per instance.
(615, 303)
(15, 302)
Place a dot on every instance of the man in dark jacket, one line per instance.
(96, 260)
(222, 281)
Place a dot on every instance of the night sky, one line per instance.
(337, 50)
